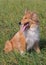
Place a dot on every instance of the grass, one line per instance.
(11, 12)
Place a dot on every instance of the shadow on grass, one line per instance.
(43, 43)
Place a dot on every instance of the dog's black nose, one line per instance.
(19, 23)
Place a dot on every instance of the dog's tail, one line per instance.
(8, 46)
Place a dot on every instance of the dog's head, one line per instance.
(30, 19)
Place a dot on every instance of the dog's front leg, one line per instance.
(36, 47)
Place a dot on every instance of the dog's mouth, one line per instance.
(25, 26)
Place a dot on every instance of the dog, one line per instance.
(30, 22)
(28, 35)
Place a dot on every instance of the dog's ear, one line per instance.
(35, 16)
(27, 11)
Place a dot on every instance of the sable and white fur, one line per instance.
(31, 35)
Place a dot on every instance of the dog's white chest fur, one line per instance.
(31, 35)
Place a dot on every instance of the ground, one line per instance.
(11, 12)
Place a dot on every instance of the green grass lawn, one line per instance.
(11, 12)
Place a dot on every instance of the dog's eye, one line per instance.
(19, 23)
(25, 17)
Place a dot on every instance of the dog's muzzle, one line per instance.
(24, 26)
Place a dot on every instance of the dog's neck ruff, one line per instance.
(31, 35)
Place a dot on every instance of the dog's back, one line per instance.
(17, 43)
